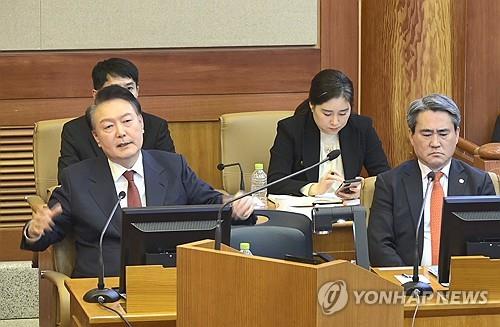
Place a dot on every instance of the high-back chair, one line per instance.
(246, 137)
(56, 263)
(282, 233)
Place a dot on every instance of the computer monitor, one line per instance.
(150, 235)
(470, 226)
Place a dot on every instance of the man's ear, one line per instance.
(96, 138)
(94, 92)
(457, 135)
(410, 136)
(141, 121)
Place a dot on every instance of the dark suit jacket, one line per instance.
(396, 207)
(296, 146)
(87, 195)
(77, 142)
(496, 132)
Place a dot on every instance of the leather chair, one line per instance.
(246, 138)
(282, 233)
(56, 263)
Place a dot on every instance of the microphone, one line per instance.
(221, 167)
(416, 286)
(218, 234)
(102, 294)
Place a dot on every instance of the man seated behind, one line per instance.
(77, 142)
(433, 123)
(89, 189)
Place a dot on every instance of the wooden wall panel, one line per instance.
(406, 53)
(10, 240)
(339, 38)
(172, 108)
(482, 69)
(199, 142)
(48, 75)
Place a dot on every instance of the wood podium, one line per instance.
(226, 288)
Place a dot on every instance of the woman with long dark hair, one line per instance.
(322, 123)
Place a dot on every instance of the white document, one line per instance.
(302, 204)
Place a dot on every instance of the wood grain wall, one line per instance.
(413, 48)
(481, 69)
(406, 52)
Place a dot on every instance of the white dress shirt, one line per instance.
(328, 143)
(121, 183)
(427, 252)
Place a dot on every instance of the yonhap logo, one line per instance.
(332, 297)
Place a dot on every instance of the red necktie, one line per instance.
(133, 198)
(437, 196)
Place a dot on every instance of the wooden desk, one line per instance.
(339, 243)
(434, 313)
(92, 314)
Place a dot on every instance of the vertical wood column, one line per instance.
(339, 36)
(406, 52)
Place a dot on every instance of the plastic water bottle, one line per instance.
(259, 179)
(245, 248)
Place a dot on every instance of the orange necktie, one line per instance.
(133, 198)
(437, 196)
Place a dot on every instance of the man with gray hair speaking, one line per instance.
(434, 126)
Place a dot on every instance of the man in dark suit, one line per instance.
(433, 123)
(77, 142)
(90, 188)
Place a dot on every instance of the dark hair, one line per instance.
(331, 84)
(108, 93)
(434, 102)
(116, 67)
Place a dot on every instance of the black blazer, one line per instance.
(396, 207)
(296, 146)
(87, 196)
(77, 142)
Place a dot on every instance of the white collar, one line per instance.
(117, 170)
(426, 170)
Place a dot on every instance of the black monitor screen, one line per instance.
(470, 226)
(150, 235)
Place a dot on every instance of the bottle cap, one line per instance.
(259, 166)
(244, 246)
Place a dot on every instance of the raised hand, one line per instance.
(43, 220)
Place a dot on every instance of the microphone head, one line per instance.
(121, 195)
(220, 166)
(431, 176)
(333, 154)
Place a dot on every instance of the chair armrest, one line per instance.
(34, 201)
(50, 190)
(56, 278)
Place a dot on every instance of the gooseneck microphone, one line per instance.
(218, 234)
(416, 285)
(102, 294)
(221, 167)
